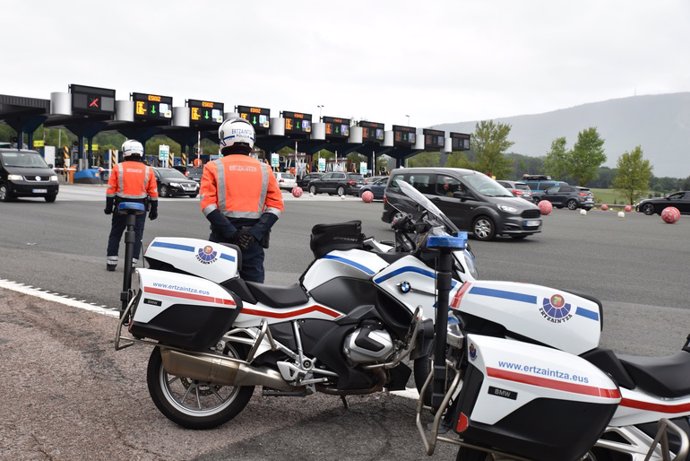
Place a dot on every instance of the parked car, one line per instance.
(472, 200)
(286, 180)
(24, 173)
(304, 181)
(517, 188)
(538, 184)
(376, 187)
(572, 197)
(337, 182)
(680, 200)
(171, 183)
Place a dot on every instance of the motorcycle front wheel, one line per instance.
(194, 404)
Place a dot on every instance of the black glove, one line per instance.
(109, 204)
(221, 225)
(244, 239)
(153, 214)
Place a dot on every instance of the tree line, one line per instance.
(580, 164)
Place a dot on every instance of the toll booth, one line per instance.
(24, 115)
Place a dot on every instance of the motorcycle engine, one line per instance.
(368, 344)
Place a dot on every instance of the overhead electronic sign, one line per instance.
(372, 131)
(337, 127)
(297, 123)
(460, 141)
(205, 113)
(434, 139)
(404, 136)
(92, 100)
(259, 117)
(149, 107)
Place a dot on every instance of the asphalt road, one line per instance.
(71, 396)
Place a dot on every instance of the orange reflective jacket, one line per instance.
(132, 180)
(240, 187)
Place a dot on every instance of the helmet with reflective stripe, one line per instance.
(235, 131)
(132, 147)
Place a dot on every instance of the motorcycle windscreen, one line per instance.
(182, 310)
(532, 401)
(217, 262)
(548, 316)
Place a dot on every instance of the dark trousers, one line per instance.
(117, 228)
(252, 269)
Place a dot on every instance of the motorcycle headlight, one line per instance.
(508, 209)
(14, 177)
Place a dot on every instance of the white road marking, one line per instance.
(57, 298)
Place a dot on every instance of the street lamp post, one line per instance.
(320, 106)
(408, 120)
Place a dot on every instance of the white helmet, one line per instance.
(234, 131)
(132, 147)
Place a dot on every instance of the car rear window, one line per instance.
(355, 177)
(521, 186)
(287, 176)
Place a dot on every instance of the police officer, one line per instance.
(131, 181)
(240, 197)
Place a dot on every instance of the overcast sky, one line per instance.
(379, 60)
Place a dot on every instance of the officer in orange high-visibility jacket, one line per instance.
(240, 197)
(131, 181)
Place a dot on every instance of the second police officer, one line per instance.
(132, 181)
(240, 197)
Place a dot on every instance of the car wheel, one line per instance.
(340, 190)
(5, 195)
(484, 228)
(50, 198)
(164, 191)
(312, 189)
(648, 209)
(572, 204)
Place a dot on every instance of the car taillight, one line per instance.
(583, 194)
(186, 173)
(351, 182)
(517, 192)
(385, 199)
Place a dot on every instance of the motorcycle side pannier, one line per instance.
(532, 401)
(339, 236)
(182, 310)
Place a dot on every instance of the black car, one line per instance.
(572, 197)
(376, 187)
(171, 183)
(680, 200)
(304, 181)
(337, 182)
(472, 200)
(24, 173)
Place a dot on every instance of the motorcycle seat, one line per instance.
(663, 376)
(278, 296)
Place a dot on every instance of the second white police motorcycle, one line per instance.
(522, 375)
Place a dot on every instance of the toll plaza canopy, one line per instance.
(87, 110)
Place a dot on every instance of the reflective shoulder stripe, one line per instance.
(146, 177)
(120, 177)
(264, 187)
(220, 183)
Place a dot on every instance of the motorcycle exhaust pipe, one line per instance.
(217, 370)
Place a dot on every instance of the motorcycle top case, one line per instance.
(546, 315)
(532, 401)
(213, 261)
(182, 310)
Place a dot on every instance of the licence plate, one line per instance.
(532, 223)
(40, 191)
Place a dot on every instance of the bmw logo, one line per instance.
(405, 287)
(473, 352)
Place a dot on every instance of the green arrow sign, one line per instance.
(206, 115)
(153, 109)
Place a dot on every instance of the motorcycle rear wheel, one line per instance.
(193, 404)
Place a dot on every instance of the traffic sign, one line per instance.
(205, 113)
(163, 152)
(149, 107)
(434, 139)
(337, 127)
(92, 100)
(259, 117)
(297, 122)
(275, 160)
(372, 131)
(404, 136)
